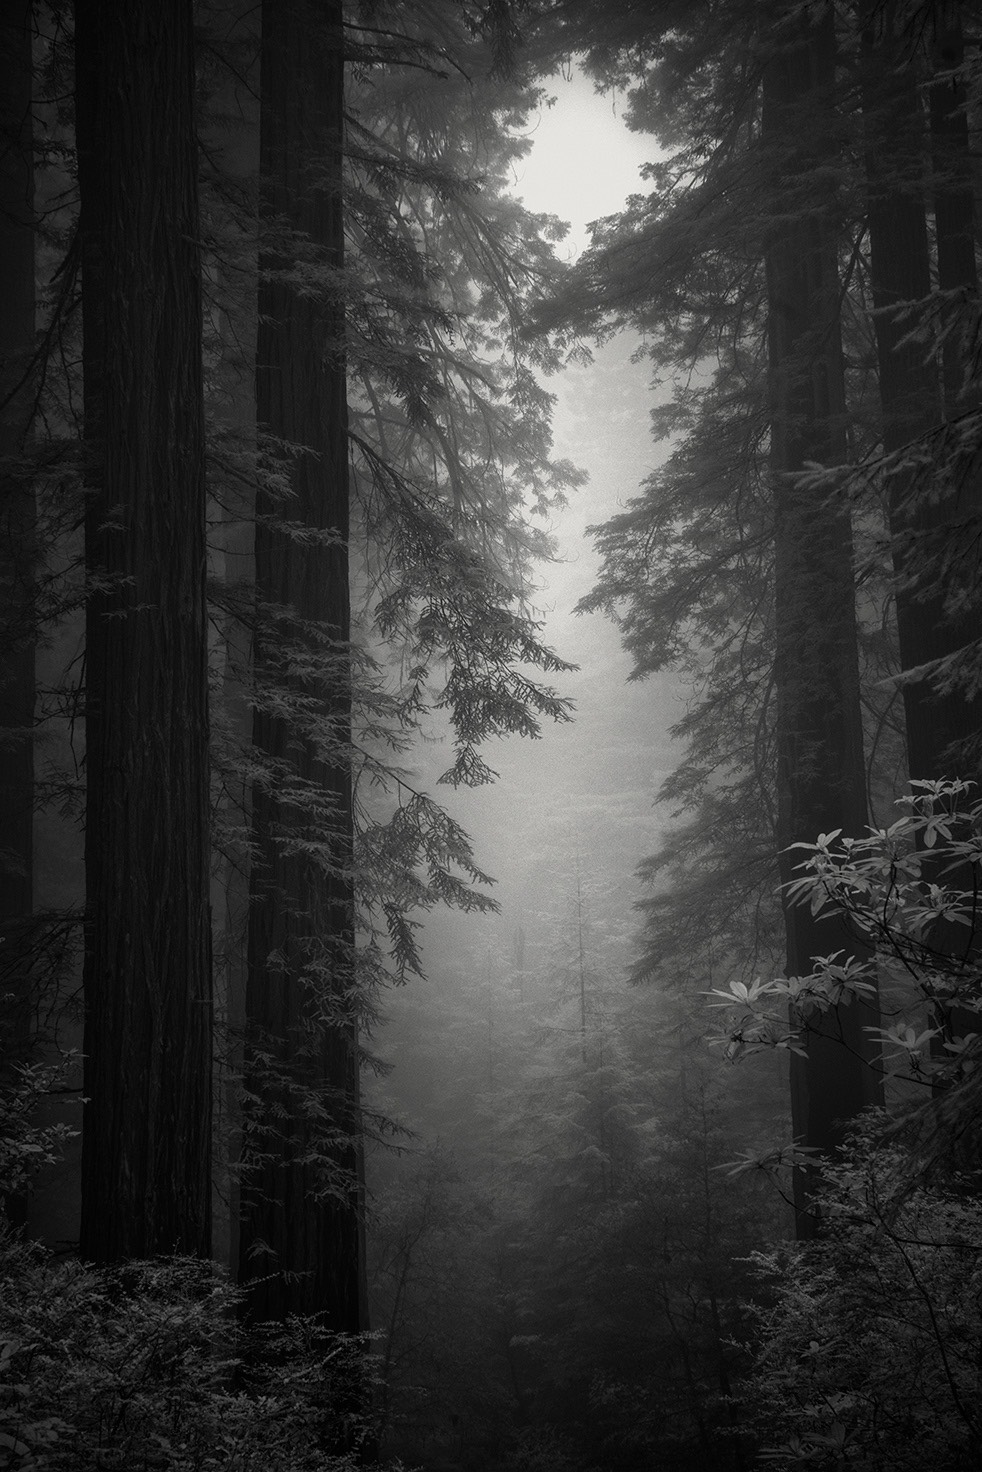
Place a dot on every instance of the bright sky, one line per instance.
(585, 162)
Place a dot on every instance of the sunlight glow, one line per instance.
(585, 161)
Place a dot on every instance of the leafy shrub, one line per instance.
(147, 1366)
(911, 894)
(25, 1147)
(872, 1345)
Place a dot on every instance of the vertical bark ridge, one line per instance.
(300, 1236)
(146, 1184)
(821, 769)
(17, 533)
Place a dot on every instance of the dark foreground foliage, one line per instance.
(870, 1351)
(149, 1366)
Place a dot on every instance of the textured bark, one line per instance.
(230, 137)
(300, 1237)
(910, 390)
(17, 518)
(943, 729)
(821, 774)
(147, 1123)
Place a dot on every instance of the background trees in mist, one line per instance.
(756, 263)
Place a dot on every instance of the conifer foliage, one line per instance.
(390, 431)
(300, 1204)
(353, 406)
(785, 238)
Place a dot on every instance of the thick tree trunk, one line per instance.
(929, 523)
(821, 773)
(146, 1184)
(300, 1236)
(910, 391)
(230, 137)
(17, 521)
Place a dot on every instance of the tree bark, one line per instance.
(821, 772)
(952, 169)
(931, 522)
(146, 1181)
(912, 397)
(300, 1246)
(17, 534)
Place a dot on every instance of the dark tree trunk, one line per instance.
(300, 1236)
(821, 773)
(953, 187)
(933, 529)
(17, 520)
(146, 1183)
(910, 392)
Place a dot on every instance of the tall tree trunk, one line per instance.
(821, 773)
(300, 1236)
(910, 391)
(931, 525)
(146, 1184)
(230, 136)
(953, 167)
(17, 519)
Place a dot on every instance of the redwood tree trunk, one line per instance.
(910, 392)
(300, 1247)
(147, 1123)
(17, 512)
(17, 533)
(932, 525)
(821, 773)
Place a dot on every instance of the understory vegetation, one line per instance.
(148, 1365)
(579, 1283)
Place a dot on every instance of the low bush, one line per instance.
(871, 1351)
(147, 1366)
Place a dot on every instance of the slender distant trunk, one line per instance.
(147, 1124)
(17, 518)
(952, 167)
(951, 744)
(300, 1246)
(821, 774)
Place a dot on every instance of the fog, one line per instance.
(583, 795)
